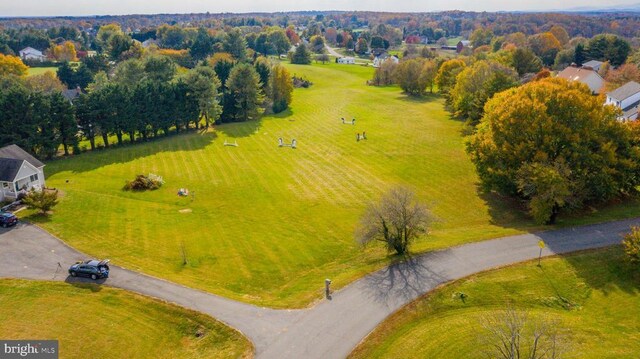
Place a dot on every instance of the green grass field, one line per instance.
(41, 70)
(267, 225)
(111, 323)
(595, 297)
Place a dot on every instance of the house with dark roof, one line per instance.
(19, 171)
(72, 94)
(585, 75)
(593, 64)
(626, 98)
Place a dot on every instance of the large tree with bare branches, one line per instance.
(397, 220)
(512, 335)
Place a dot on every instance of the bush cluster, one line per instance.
(144, 183)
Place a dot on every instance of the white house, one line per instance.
(380, 59)
(347, 60)
(626, 98)
(29, 53)
(587, 76)
(19, 171)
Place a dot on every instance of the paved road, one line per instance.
(333, 327)
(333, 52)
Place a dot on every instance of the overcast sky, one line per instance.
(117, 7)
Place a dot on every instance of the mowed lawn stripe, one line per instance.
(268, 224)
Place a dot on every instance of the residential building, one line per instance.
(627, 98)
(380, 59)
(346, 60)
(593, 64)
(587, 76)
(31, 54)
(19, 171)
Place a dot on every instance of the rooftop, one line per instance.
(16, 153)
(625, 91)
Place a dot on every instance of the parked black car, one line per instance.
(8, 219)
(91, 268)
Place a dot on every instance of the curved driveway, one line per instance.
(332, 328)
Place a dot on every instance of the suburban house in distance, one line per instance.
(346, 60)
(18, 171)
(627, 98)
(31, 54)
(378, 60)
(593, 64)
(586, 75)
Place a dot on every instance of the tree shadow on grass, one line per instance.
(37, 218)
(606, 270)
(123, 154)
(404, 280)
(505, 211)
(249, 128)
(426, 98)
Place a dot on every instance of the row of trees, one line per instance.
(142, 98)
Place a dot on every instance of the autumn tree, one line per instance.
(292, 35)
(447, 74)
(546, 46)
(397, 220)
(554, 145)
(385, 74)
(477, 84)
(245, 90)
(621, 75)
(46, 83)
(560, 33)
(65, 52)
(317, 44)
(281, 86)
(414, 75)
(481, 36)
(12, 65)
(631, 245)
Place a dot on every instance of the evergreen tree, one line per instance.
(245, 90)
(302, 55)
(235, 44)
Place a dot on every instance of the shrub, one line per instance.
(631, 245)
(144, 183)
(301, 82)
(43, 200)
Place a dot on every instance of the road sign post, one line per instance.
(541, 245)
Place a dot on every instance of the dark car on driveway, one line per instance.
(8, 219)
(91, 268)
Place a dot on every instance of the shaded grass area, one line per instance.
(112, 323)
(595, 296)
(267, 225)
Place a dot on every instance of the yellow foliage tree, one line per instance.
(12, 65)
(65, 52)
